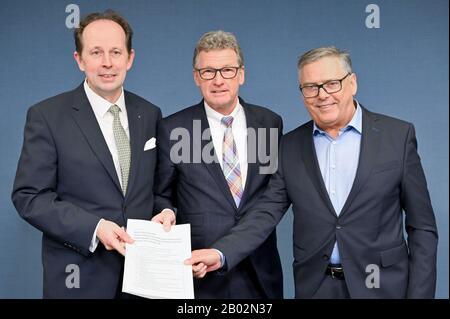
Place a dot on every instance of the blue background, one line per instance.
(402, 70)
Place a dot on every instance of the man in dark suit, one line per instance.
(215, 172)
(349, 174)
(85, 166)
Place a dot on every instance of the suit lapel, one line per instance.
(214, 168)
(368, 154)
(252, 123)
(85, 118)
(135, 125)
(309, 156)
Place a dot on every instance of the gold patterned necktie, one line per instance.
(123, 146)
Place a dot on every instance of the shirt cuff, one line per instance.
(94, 241)
(222, 258)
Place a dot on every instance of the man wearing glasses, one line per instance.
(217, 177)
(349, 174)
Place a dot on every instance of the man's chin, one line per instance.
(221, 107)
(109, 92)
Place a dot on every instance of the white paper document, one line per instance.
(154, 263)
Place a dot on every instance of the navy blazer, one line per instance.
(200, 195)
(66, 182)
(369, 229)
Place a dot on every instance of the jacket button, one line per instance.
(338, 227)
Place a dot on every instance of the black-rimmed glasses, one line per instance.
(227, 72)
(332, 86)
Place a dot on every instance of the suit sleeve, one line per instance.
(280, 129)
(256, 225)
(35, 190)
(166, 173)
(420, 224)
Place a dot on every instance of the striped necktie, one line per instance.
(230, 159)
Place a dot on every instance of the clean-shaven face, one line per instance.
(219, 93)
(105, 59)
(330, 112)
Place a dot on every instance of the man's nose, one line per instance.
(218, 79)
(106, 61)
(322, 93)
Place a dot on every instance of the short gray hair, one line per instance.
(218, 40)
(322, 52)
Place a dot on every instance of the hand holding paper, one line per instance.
(204, 261)
(154, 264)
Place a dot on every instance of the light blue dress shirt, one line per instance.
(338, 161)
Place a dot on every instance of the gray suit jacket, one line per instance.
(369, 230)
(66, 182)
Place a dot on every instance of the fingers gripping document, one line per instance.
(154, 263)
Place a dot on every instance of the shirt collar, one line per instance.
(355, 123)
(101, 105)
(216, 116)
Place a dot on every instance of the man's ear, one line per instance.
(241, 75)
(131, 59)
(77, 58)
(354, 83)
(196, 77)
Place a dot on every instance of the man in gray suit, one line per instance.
(349, 174)
(86, 166)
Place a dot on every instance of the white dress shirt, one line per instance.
(100, 106)
(239, 129)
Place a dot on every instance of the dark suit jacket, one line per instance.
(200, 194)
(66, 182)
(369, 229)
